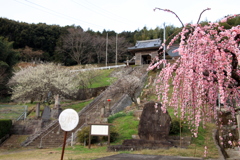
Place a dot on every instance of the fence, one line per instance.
(14, 112)
(99, 68)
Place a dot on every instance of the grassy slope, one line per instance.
(126, 126)
(103, 79)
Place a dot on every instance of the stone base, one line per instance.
(139, 144)
(56, 112)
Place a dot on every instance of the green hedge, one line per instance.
(5, 126)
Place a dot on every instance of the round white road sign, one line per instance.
(68, 119)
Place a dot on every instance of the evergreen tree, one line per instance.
(8, 58)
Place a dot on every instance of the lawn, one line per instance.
(11, 111)
(126, 125)
(103, 79)
(78, 106)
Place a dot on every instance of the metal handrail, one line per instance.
(23, 114)
(20, 116)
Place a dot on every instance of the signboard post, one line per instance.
(68, 120)
(99, 130)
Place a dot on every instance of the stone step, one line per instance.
(14, 141)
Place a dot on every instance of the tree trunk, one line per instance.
(135, 102)
(57, 101)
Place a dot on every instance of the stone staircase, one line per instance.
(14, 141)
(52, 135)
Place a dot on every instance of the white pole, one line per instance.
(238, 124)
(116, 49)
(72, 140)
(219, 101)
(106, 48)
(25, 114)
(164, 40)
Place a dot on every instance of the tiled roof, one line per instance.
(153, 43)
(171, 50)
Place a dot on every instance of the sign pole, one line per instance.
(98, 129)
(89, 139)
(108, 135)
(68, 120)
(64, 144)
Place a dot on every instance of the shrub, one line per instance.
(5, 126)
(83, 135)
(113, 134)
(175, 127)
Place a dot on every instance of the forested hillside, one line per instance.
(52, 42)
(70, 45)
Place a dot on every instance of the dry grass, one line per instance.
(78, 153)
(23, 65)
(83, 153)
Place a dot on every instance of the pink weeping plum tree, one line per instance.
(207, 73)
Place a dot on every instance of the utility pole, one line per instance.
(116, 49)
(106, 49)
(164, 40)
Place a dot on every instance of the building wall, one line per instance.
(138, 56)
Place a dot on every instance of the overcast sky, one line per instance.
(117, 15)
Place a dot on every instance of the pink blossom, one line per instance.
(156, 105)
(202, 74)
(220, 137)
(205, 151)
(195, 134)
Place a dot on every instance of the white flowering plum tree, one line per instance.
(43, 82)
(206, 73)
(130, 83)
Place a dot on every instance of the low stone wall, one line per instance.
(28, 127)
(4, 138)
(89, 93)
(139, 144)
(121, 104)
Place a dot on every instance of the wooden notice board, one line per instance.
(99, 129)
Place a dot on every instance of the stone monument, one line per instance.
(153, 130)
(46, 115)
(154, 124)
(56, 110)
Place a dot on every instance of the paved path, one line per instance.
(146, 157)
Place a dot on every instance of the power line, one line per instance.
(64, 14)
(108, 12)
(52, 12)
(98, 12)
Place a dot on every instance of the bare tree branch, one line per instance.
(202, 13)
(167, 10)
